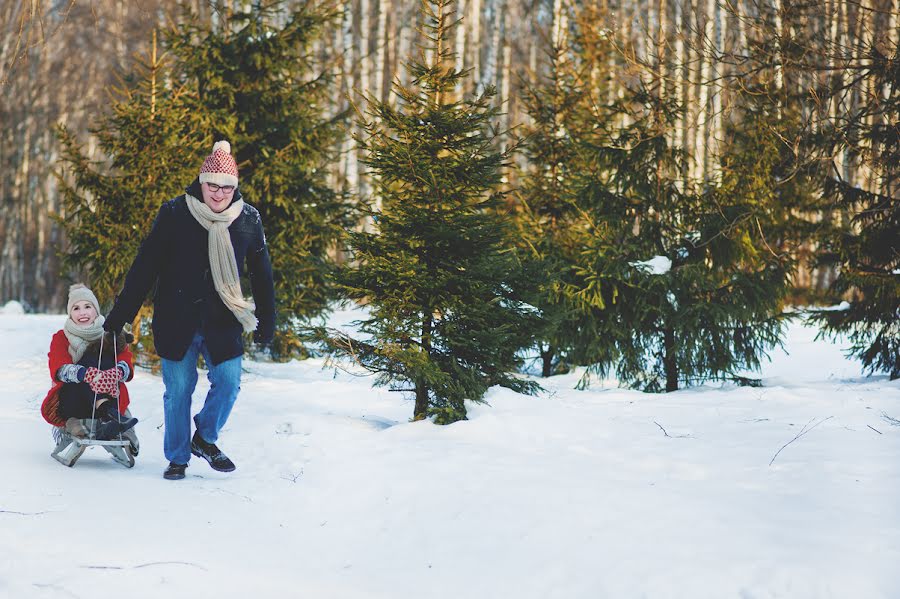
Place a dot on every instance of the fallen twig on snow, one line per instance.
(22, 513)
(802, 432)
(890, 420)
(667, 434)
(293, 478)
(147, 565)
(875, 429)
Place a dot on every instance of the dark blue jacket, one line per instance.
(175, 256)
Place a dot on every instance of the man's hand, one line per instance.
(113, 326)
(262, 344)
(260, 339)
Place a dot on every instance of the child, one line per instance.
(84, 385)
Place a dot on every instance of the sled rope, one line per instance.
(94, 403)
(115, 399)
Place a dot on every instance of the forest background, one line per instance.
(59, 59)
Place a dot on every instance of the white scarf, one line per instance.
(222, 263)
(81, 336)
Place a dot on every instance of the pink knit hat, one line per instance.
(220, 167)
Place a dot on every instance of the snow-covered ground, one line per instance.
(595, 494)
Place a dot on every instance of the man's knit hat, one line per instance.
(80, 293)
(220, 167)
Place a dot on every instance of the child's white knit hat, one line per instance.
(80, 293)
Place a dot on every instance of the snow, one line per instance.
(841, 307)
(657, 265)
(12, 307)
(603, 493)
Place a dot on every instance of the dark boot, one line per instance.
(112, 424)
(111, 429)
(174, 471)
(212, 454)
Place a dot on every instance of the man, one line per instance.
(195, 254)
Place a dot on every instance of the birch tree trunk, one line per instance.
(894, 26)
(704, 132)
(679, 75)
(460, 49)
(864, 41)
(778, 9)
(693, 82)
(383, 7)
(717, 132)
(348, 71)
(475, 59)
(660, 58)
(365, 62)
(843, 49)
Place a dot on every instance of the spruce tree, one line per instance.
(697, 293)
(866, 250)
(553, 226)
(262, 88)
(152, 138)
(777, 121)
(443, 324)
(690, 289)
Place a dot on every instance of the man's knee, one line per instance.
(227, 383)
(179, 380)
(226, 377)
(179, 387)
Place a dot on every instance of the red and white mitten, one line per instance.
(89, 375)
(106, 381)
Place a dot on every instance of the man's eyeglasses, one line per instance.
(214, 188)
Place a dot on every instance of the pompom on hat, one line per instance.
(80, 293)
(219, 167)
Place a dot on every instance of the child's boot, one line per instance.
(75, 427)
(112, 423)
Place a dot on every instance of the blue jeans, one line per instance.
(180, 379)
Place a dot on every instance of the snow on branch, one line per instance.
(657, 265)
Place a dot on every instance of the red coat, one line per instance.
(59, 356)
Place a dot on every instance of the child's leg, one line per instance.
(75, 401)
(101, 400)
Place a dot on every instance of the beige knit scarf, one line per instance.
(222, 263)
(81, 336)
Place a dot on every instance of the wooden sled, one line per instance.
(69, 448)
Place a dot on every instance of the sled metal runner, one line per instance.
(89, 442)
(69, 448)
